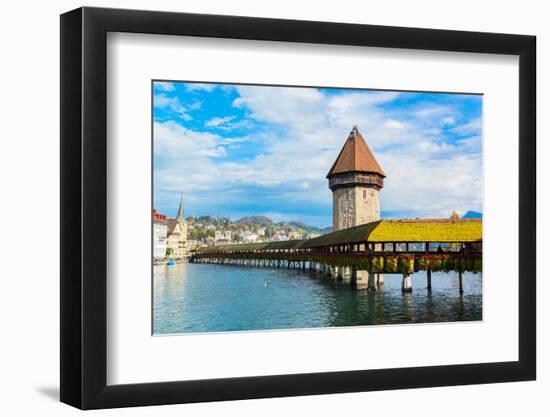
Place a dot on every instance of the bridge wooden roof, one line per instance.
(382, 231)
(417, 230)
(355, 156)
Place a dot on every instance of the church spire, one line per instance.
(180, 217)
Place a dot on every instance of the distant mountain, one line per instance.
(472, 215)
(305, 227)
(302, 227)
(326, 230)
(263, 221)
(255, 221)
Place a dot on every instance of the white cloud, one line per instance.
(449, 120)
(354, 100)
(227, 123)
(183, 163)
(394, 124)
(217, 121)
(177, 143)
(294, 108)
(164, 86)
(472, 127)
(423, 183)
(188, 161)
(470, 144)
(200, 86)
(431, 112)
(435, 148)
(196, 105)
(162, 101)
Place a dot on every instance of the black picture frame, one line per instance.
(84, 207)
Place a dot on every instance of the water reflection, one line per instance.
(190, 298)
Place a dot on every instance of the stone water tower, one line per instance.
(355, 179)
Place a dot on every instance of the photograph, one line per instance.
(297, 207)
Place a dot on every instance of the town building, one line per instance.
(248, 236)
(279, 235)
(177, 235)
(222, 236)
(295, 235)
(160, 232)
(193, 244)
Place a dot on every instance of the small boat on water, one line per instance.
(170, 262)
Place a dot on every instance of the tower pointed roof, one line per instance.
(180, 217)
(355, 156)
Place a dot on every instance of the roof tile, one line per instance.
(355, 156)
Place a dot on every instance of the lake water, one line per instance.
(196, 298)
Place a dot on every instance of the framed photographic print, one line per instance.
(257, 207)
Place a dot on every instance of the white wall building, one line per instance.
(248, 237)
(160, 231)
(222, 235)
(293, 234)
(280, 236)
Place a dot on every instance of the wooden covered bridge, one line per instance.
(361, 255)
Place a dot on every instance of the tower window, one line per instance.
(364, 194)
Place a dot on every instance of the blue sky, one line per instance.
(260, 150)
